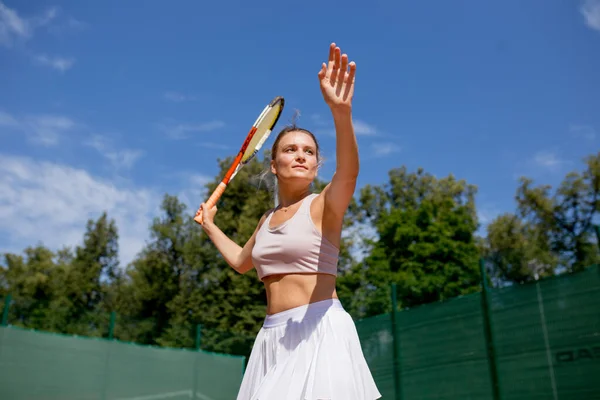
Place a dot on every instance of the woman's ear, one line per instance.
(273, 170)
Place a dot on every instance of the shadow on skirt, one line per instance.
(310, 352)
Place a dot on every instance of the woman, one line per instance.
(308, 347)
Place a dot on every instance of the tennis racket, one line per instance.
(259, 133)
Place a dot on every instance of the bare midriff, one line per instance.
(294, 290)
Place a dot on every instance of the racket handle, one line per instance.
(212, 200)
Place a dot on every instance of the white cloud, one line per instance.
(361, 128)
(15, 30)
(584, 131)
(51, 203)
(44, 129)
(325, 127)
(194, 191)
(61, 64)
(123, 158)
(183, 131)
(178, 97)
(590, 9)
(548, 159)
(7, 120)
(12, 27)
(47, 130)
(69, 25)
(384, 149)
(212, 145)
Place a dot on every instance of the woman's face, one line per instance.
(296, 158)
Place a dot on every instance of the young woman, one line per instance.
(308, 347)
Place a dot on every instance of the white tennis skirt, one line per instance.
(310, 352)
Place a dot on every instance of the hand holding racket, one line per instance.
(259, 133)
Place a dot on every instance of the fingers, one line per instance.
(350, 81)
(341, 78)
(339, 72)
(205, 214)
(322, 72)
(335, 68)
(331, 53)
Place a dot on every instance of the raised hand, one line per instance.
(337, 79)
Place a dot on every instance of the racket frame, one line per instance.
(239, 162)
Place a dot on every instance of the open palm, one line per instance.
(337, 79)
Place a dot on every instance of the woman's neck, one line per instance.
(288, 197)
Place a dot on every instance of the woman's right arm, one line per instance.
(239, 258)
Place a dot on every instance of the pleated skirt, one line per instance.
(310, 352)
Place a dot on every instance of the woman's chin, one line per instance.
(299, 178)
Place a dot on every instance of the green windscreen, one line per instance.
(543, 342)
(443, 354)
(547, 338)
(36, 365)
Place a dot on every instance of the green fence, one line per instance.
(36, 365)
(534, 341)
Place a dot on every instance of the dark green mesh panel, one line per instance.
(547, 338)
(36, 365)
(442, 351)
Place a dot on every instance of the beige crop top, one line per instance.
(294, 246)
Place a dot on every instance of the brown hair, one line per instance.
(288, 129)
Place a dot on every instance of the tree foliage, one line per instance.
(425, 240)
(548, 233)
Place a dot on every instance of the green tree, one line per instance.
(549, 233)
(64, 291)
(87, 277)
(425, 240)
(155, 277)
(517, 250)
(33, 279)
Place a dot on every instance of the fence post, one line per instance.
(489, 337)
(7, 301)
(198, 342)
(111, 335)
(396, 346)
(597, 229)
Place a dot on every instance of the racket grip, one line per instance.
(212, 200)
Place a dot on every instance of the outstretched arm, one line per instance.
(337, 86)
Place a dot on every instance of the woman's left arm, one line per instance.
(337, 86)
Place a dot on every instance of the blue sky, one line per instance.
(108, 105)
